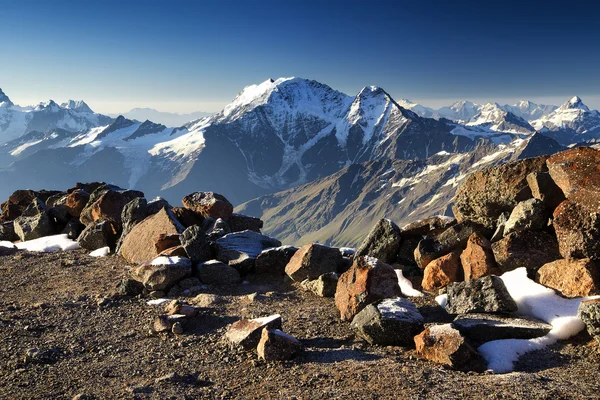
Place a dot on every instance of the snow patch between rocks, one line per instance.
(406, 286)
(101, 252)
(49, 243)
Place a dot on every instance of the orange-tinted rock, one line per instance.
(110, 205)
(571, 277)
(577, 172)
(187, 217)
(76, 202)
(176, 251)
(208, 204)
(545, 189)
(312, 261)
(246, 333)
(442, 271)
(367, 281)
(16, 204)
(164, 242)
(478, 258)
(443, 344)
(139, 245)
(578, 231)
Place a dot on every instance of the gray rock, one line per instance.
(527, 215)
(157, 204)
(98, 234)
(7, 231)
(196, 244)
(273, 260)
(481, 328)
(484, 295)
(500, 224)
(324, 286)
(382, 242)
(73, 229)
(276, 345)
(239, 223)
(216, 273)
(391, 322)
(216, 228)
(589, 312)
(133, 213)
(162, 272)
(240, 249)
(33, 227)
(130, 287)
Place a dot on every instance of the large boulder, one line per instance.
(240, 249)
(273, 261)
(545, 189)
(139, 245)
(239, 223)
(571, 277)
(484, 295)
(33, 227)
(76, 202)
(481, 328)
(383, 242)
(486, 194)
(367, 281)
(17, 202)
(312, 261)
(162, 273)
(527, 249)
(215, 272)
(196, 244)
(390, 322)
(109, 206)
(478, 258)
(187, 217)
(215, 228)
(208, 204)
(444, 344)
(324, 286)
(97, 235)
(442, 271)
(246, 333)
(276, 345)
(527, 215)
(589, 312)
(577, 172)
(578, 231)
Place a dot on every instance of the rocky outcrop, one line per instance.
(312, 261)
(571, 277)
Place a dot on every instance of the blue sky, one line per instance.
(197, 55)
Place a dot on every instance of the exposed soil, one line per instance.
(50, 302)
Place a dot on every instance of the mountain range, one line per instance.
(314, 163)
(162, 117)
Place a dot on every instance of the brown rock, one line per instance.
(162, 272)
(247, 332)
(110, 205)
(276, 345)
(577, 172)
(312, 261)
(76, 202)
(16, 204)
(572, 278)
(164, 242)
(367, 281)
(577, 230)
(177, 307)
(442, 271)
(208, 204)
(164, 323)
(432, 226)
(527, 249)
(478, 258)
(443, 344)
(139, 245)
(486, 194)
(187, 217)
(176, 251)
(545, 189)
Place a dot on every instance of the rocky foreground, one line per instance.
(197, 302)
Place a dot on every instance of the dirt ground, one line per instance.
(49, 302)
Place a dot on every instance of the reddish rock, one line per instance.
(367, 281)
(577, 230)
(76, 202)
(312, 261)
(140, 244)
(443, 344)
(164, 242)
(246, 333)
(16, 204)
(208, 204)
(571, 277)
(545, 189)
(527, 249)
(577, 172)
(442, 271)
(110, 205)
(187, 217)
(176, 251)
(478, 258)
(276, 345)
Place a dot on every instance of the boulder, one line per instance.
(481, 328)
(16, 204)
(483, 295)
(165, 323)
(527, 215)
(164, 242)
(162, 272)
(175, 251)
(76, 202)
(215, 228)
(390, 322)
(525, 249)
(246, 333)
(589, 312)
(240, 249)
(139, 245)
(130, 287)
(312, 261)
(58, 199)
(275, 345)
(208, 204)
(157, 204)
(109, 206)
(367, 281)
(273, 260)
(432, 226)
(486, 194)
(33, 227)
(576, 172)
(60, 215)
(187, 217)
(545, 189)
(444, 344)
(239, 223)
(571, 277)
(73, 229)
(324, 286)
(441, 272)
(196, 244)
(478, 258)
(577, 230)
(406, 252)
(216, 273)
(97, 235)
(7, 232)
(383, 242)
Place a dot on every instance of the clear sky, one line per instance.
(184, 56)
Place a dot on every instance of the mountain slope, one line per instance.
(162, 117)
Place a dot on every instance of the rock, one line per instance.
(33, 227)
(589, 312)
(481, 328)
(215, 228)
(571, 277)
(207, 300)
(240, 249)
(98, 234)
(432, 226)
(196, 244)
(545, 189)
(164, 323)
(577, 230)
(486, 194)
(575, 171)
(443, 344)
(483, 295)
(161, 273)
(276, 345)
(525, 249)
(7, 232)
(58, 199)
(246, 333)
(208, 204)
(175, 251)
(367, 281)
(177, 328)
(273, 260)
(157, 204)
(441, 272)
(478, 258)
(187, 217)
(133, 213)
(139, 245)
(453, 238)
(312, 261)
(76, 202)
(527, 215)
(390, 322)
(73, 229)
(130, 287)
(324, 286)
(382, 242)
(110, 205)
(164, 242)
(406, 252)
(177, 307)
(216, 273)
(60, 216)
(500, 224)
(16, 204)
(239, 223)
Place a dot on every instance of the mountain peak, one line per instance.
(78, 106)
(574, 103)
(4, 100)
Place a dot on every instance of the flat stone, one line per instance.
(487, 294)
(481, 328)
(246, 333)
(240, 249)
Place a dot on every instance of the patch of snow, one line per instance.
(266, 320)
(101, 252)
(406, 286)
(157, 302)
(49, 243)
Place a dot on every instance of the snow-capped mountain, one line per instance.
(73, 116)
(461, 111)
(161, 117)
(529, 111)
(417, 108)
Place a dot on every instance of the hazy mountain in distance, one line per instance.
(162, 117)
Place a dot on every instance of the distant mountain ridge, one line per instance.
(166, 118)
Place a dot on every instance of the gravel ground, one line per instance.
(50, 302)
